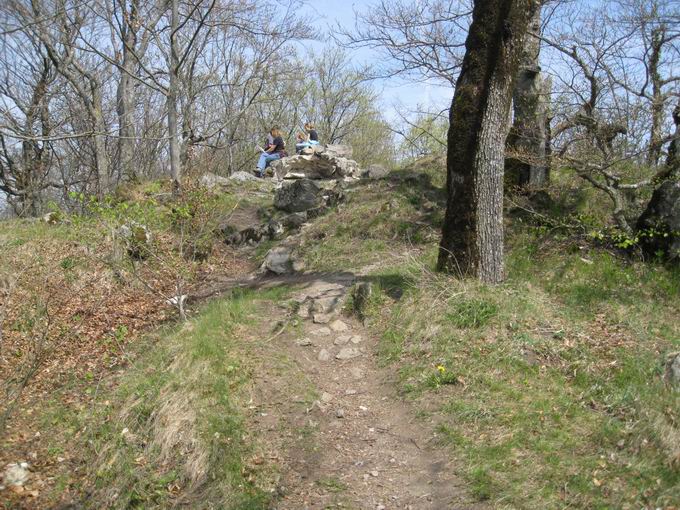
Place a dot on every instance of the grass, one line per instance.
(172, 432)
(548, 388)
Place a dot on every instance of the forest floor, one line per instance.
(423, 392)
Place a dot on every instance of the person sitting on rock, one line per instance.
(312, 135)
(301, 142)
(275, 149)
(307, 139)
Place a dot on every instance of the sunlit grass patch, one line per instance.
(545, 408)
(173, 432)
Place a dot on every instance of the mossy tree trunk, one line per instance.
(525, 163)
(472, 235)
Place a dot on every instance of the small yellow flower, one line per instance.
(441, 369)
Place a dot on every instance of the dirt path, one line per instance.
(335, 427)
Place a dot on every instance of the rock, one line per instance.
(326, 397)
(211, 180)
(659, 226)
(15, 474)
(345, 167)
(304, 342)
(242, 176)
(322, 318)
(337, 326)
(361, 294)
(356, 339)
(278, 260)
(342, 340)
(303, 311)
(52, 218)
(251, 235)
(348, 353)
(319, 162)
(356, 373)
(300, 195)
(328, 304)
(136, 238)
(303, 167)
(324, 355)
(375, 172)
(672, 374)
(337, 151)
(339, 413)
(321, 332)
(294, 220)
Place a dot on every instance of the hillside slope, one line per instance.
(430, 392)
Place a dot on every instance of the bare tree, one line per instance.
(424, 39)
(26, 82)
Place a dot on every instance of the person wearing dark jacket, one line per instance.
(312, 135)
(275, 149)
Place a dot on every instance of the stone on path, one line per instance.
(356, 373)
(321, 332)
(338, 325)
(304, 342)
(356, 339)
(324, 355)
(322, 318)
(279, 260)
(342, 340)
(347, 353)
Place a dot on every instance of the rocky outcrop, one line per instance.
(320, 162)
(297, 196)
(308, 196)
(659, 225)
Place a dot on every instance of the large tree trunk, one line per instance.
(659, 225)
(472, 236)
(526, 164)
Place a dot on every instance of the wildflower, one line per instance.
(441, 369)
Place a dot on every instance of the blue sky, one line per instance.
(396, 93)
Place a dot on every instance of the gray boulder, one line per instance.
(251, 235)
(211, 180)
(672, 374)
(337, 151)
(279, 260)
(242, 176)
(294, 220)
(318, 162)
(298, 196)
(375, 172)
